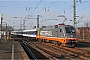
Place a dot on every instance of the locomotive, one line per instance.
(60, 35)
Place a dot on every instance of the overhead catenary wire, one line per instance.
(76, 5)
(60, 10)
(82, 2)
(50, 5)
(18, 3)
(36, 6)
(82, 8)
(26, 7)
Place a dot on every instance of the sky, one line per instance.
(49, 10)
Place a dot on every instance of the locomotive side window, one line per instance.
(60, 30)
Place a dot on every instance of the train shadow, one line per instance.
(82, 44)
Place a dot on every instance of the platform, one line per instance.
(12, 50)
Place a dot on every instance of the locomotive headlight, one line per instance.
(71, 35)
(76, 41)
(69, 41)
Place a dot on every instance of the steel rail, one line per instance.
(28, 49)
(50, 57)
(13, 52)
(68, 51)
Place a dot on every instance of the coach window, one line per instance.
(24, 32)
(60, 30)
(28, 32)
(32, 32)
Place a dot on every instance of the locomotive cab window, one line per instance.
(70, 30)
(67, 30)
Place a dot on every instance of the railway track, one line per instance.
(72, 52)
(28, 50)
(32, 54)
(43, 52)
(54, 52)
(83, 45)
(47, 55)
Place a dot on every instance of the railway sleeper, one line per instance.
(51, 52)
(44, 53)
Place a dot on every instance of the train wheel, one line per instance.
(46, 41)
(59, 43)
(70, 45)
(43, 40)
(54, 42)
(39, 40)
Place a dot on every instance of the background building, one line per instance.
(83, 32)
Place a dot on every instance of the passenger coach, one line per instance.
(25, 34)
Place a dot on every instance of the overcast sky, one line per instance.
(49, 10)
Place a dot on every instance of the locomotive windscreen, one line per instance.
(70, 29)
